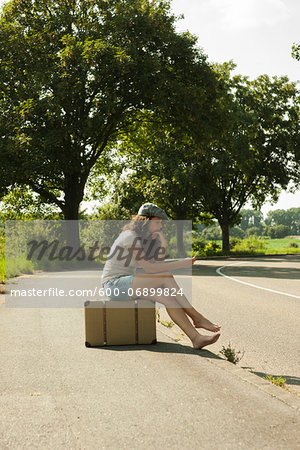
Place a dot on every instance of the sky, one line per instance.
(256, 34)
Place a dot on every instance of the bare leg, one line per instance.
(166, 279)
(178, 316)
(198, 319)
(174, 309)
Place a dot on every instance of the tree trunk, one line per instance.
(225, 236)
(179, 233)
(71, 214)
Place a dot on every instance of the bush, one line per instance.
(2, 270)
(172, 250)
(2, 246)
(233, 242)
(237, 232)
(212, 233)
(198, 243)
(250, 244)
(293, 245)
(277, 231)
(18, 265)
(212, 249)
(252, 231)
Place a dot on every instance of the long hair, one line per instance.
(139, 225)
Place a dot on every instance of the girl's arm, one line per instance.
(139, 255)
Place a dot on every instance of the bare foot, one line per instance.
(202, 322)
(201, 341)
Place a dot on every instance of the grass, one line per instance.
(231, 354)
(167, 324)
(278, 381)
(2, 270)
(16, 266)
(283, 244)
(254, 245)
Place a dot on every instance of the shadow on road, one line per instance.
(160, 347)
(249, 270)
(263, 272)
(291, 380)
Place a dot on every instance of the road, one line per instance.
(263, 324)
(55, 393)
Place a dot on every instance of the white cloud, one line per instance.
(247, 14)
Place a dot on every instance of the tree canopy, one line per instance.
(296, 51)
(74, 75)
(251, 158)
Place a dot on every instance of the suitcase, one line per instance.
(119, 322)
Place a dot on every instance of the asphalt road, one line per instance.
(262, 320)
(55, 393)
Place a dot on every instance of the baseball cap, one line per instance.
(151, 210)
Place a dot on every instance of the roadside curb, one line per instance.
(285, 396)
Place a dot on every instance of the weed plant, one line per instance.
(278, 381)
(231, 354)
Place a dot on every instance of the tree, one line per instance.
(162, 169)
(288, 217)
(277, 231)
(253, 231)
(255, 156)
(251, 218)
(251, 157)
(74, 74)
(296, 51)
(20, 203)
(212, 233)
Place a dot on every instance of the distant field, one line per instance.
(277, 244)
(271, 245)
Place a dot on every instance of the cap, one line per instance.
(151, 210)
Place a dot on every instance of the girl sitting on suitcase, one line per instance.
(133, 248)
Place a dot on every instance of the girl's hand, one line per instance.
(156, 235)
(188, 262)
(159, 235)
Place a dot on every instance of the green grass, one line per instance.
(283, 244)
(167, 324)
(16, 267)
(278, 381)
(2, 270)
(231, 354)
(13, 267)
(253, 246)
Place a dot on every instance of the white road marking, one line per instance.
(250, 284)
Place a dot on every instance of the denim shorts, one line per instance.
(117, 288)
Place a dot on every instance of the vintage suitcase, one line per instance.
(119, 323)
